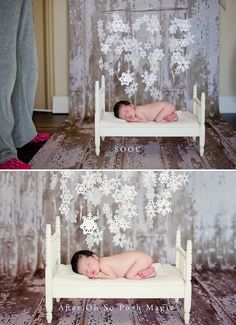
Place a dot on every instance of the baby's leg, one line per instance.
(149, 272)
(136, 267)
(167, 109)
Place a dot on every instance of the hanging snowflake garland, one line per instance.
(161, 203)
(125, 41)
(115, 38)
(115, 197)
(180, 39)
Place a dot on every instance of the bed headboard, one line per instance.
(183, 260)
(53, 249)
(100, 96)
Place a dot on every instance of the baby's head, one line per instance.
(85, 262)
(124, 110)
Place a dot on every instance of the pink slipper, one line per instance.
(14, 163)
(40, 137)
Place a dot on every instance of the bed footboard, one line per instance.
(184, 265)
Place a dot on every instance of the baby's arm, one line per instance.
(106, 272)
(141, 117)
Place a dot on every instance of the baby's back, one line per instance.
(121, 263)
(150, 110)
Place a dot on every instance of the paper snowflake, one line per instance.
(120, 240)
(108, 185)
(163, 206)
(149, 79)
(54, 180)
(89, 225)
(155, 58)
(126, 78)
(131, 89)
(117, 24)
(64, 209)
(153, 24)
(94, 239)
(94, 196)
(71, 216)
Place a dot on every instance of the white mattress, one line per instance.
(167, 276)
(185, 120)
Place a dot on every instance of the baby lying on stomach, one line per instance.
(129, 265)
(158, 112)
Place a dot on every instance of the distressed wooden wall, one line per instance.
(85, 52)
(205, 209)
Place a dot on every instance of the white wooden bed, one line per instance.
(188, 124)
(170, 282)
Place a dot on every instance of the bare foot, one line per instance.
(147, 273)
(171, 117)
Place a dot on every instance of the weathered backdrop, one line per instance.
(205, 209)
(85, 52)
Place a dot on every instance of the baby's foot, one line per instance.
(171, 117)
(147, 272)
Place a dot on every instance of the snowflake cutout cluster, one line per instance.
(117, 226)
(66, 196)
(120, 41)
(181, 38)
(94, 187)
(161, 203)
(116, 38)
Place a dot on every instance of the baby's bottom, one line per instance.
(149, 272)
(166, 110)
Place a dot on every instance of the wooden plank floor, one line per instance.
(213, 302)
(72, 147)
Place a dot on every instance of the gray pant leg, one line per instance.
(26, 78)
(17, 87)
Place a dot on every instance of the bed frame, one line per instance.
(62, 282)
(188, 124)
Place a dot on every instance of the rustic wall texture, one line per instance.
(85, 52)
(205, 209)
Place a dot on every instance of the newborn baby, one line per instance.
(158, 112)
(129, 265)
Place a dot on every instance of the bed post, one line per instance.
(188, 287)
(58, 232)
(97, 118)
(194, 103)
(194, 96)
(48, 275)
(102, 98)
(103, 93)
(202, 124)
(177, 244)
